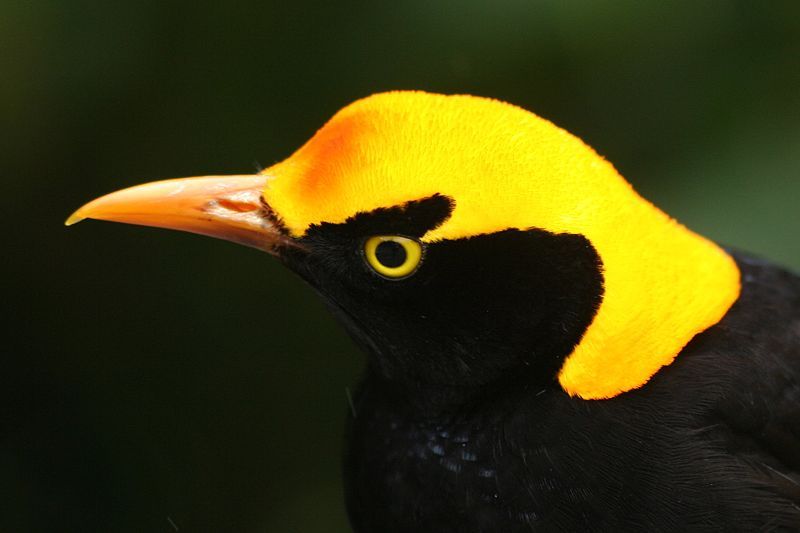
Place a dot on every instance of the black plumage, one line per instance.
(460, 425)
(712, 443)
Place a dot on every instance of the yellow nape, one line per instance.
(508, 168)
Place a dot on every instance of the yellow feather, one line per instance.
(508, 168)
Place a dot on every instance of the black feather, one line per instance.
(463, 427)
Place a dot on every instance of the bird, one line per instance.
(546, 350)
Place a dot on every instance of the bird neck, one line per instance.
(430, 402)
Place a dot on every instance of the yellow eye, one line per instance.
(393, 256)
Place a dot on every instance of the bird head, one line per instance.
(463, 242)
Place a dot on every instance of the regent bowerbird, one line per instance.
(546, 350)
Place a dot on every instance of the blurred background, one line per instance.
(155, 381)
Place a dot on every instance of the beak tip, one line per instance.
(74, 218)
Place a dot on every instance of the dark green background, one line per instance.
(152, 378)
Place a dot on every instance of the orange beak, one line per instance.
(225, 207)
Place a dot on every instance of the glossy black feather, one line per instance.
(712, 443)
(462, 426)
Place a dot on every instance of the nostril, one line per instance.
(238, 206)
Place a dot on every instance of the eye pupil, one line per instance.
(391, 254)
